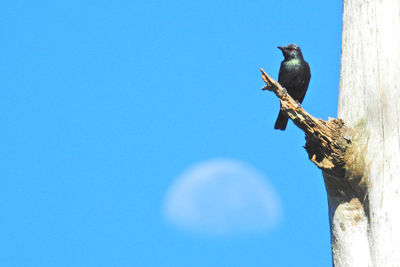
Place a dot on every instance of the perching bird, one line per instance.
(294, 76)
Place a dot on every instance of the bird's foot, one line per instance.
(284, 91)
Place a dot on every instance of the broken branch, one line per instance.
(326, 141)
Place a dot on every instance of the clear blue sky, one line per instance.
(105, 103)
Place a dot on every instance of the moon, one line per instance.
(222, 196)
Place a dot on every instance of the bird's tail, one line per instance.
(281, 121)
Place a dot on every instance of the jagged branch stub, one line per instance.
(326, 141)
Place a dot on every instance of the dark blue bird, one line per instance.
(294, 76)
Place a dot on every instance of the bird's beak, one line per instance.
(281, 48)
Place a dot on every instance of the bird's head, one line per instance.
(291, 51)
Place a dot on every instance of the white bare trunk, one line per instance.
(349, 231)
(369, 99)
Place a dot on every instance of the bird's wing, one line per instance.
(305, 80)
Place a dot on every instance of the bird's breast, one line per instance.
(293, 62)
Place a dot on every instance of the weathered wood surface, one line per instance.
(369, 98)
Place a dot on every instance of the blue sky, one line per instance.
(105, 105)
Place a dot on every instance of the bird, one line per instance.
(294, 76)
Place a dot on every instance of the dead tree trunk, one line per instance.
(368, 99)
(359, 154)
